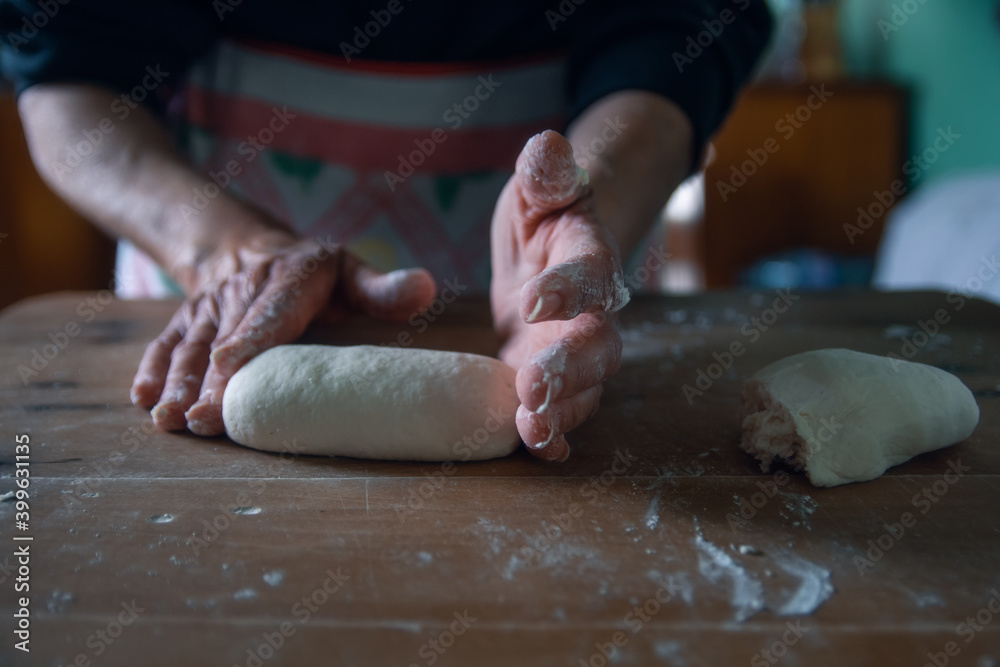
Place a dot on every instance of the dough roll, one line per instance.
(374, 402)
(846, 416)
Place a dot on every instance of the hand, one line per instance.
(557, 282)
(255, 297)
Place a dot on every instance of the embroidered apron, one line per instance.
(401, 162)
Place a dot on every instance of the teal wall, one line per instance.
(948, 53)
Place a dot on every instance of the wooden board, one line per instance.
(168, 549)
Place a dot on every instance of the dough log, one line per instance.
(374, 402)
(846, 416)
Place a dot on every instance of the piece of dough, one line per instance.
(374, 402)
(846, 416)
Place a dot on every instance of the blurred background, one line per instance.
(893, 181)
(867, 152)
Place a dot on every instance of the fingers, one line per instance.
(205, 416)
(583, 274)
(588, 283)
(279, 315)
(188, 363)
(544, 433)
(560, 385)
(152, 373)
(587, 354)
(186, 370)
(389, 296)
(548, 174)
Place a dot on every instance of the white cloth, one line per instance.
(945, 236)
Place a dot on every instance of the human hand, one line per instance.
(557, 282)
(259, 295)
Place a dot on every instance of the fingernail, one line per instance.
(561, 445)
(164, 411)
(553, 432)
(554, 386)
(547, 304)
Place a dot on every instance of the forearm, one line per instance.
(133, 184)
(637, 148)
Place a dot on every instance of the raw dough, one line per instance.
(374, 402)
(846, 416)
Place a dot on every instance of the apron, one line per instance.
(400, 162)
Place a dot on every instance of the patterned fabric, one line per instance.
(403, 163)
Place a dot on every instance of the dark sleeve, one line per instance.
(103, 42)
(697, 53)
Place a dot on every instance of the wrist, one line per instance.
(636, 147)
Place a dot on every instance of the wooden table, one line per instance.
(167, 549)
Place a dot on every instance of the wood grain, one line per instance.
(211, 547)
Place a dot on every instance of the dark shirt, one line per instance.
(696, 53)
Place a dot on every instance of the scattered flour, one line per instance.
(274, 577)
(669, 650)
(245, 594)
(747, 594)
(652, 519)
(813, 586)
